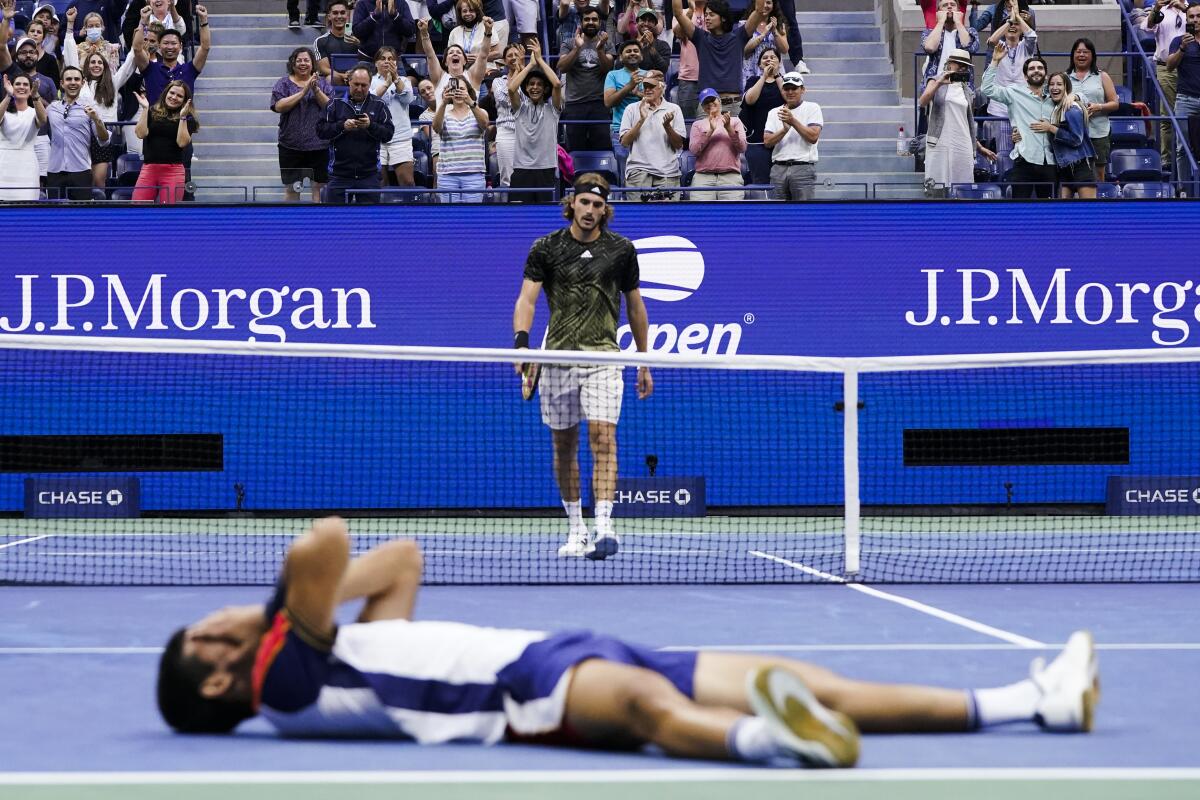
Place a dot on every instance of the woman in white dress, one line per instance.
(950, 141)
(22, 113)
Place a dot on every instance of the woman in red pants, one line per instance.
(166, 128)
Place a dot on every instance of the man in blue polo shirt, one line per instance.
(720, 49)
(167, 67)
(1185, 59)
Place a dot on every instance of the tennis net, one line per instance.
(131, 462)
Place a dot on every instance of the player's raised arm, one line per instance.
(388, 577)
(315, 567)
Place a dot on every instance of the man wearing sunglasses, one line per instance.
(654, 132)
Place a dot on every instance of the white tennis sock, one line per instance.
(750, 740)
(574, 513)
(604, 509)
(1016, 702)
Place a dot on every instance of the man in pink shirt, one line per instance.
(717, 141)
(689, 63)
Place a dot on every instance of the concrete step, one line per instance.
(852, 97)
(220, 149)
(252, 134)
(824, 49)
(278, 19)
(808, 18)
(853, 130)
(841, 66)
(257, 83)
(230, 68)
(858, 164)
(213, 98)
(836, 5)
(891, 114)
(267, 34)
(261, 116)
(840, 33)
(848, 147)
(849, 80)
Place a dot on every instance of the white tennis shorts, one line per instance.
(393, 153)
(571, 394)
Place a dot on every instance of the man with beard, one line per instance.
(623, 87)
(1033, 170)
(355, 126)
(71, 129)
(656, 54)
(585, 63)
(535, 95)
(168, 66)
(335, 41)
(948, 33)
(720, 50)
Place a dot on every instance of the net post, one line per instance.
(852, 511)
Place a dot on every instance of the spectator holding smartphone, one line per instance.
(462, 124)
(1166, 20)
(1185, 59)
(949, 33)
(950, 141)
(355, 127)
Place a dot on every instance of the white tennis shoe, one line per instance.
(578, 544)
(1070, 686)
(815, 735)
(606, 543)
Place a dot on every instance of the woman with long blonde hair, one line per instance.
(1068, 130)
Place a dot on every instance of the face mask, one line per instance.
(94, 34)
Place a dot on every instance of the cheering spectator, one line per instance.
(355, 126)
(471, 32)
(585, 64)
(763, 95)
(300, 99)
(506, 124)
(535, 157)
(1185, 59)
(141, 13)
(792, 132)
(1166, 21)
(656, 54)
(79, 13)
(43, 87)
(654, 132)
(628, 20)
(570, 18)
(949, 33)
(999, 14)
(623, 87)
(1095, 89)
(168, 66)
(427, 92)
(689, 65)
(1068, 132)
(454, 64)
(461, 123)
(382, 24)
(312, 13)
(771, 32)
(335, 41)
(1020, 42)
(719, 48)
(72, 126)
(166, 128)
(395, 90)
(47, 64)
(22, 112)
(93, 40)
(1033, 169)
(100, 87)
(950, 141)
(717, 141)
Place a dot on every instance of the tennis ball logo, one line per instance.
(671, 267)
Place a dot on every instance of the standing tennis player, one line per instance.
(584, 269)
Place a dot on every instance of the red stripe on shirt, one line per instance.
(272, 642)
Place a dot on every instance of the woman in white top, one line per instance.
(454, 64)
(100, 90)
(1095, 88)
(93, 39)
(21, 114)
(951, 143)
(470, 34)
(506, 123)
(396, 92)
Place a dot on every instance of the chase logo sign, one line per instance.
(670, 267)
(664, 496)
(81, 497)
(1153, 495)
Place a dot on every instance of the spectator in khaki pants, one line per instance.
(717, 141)
(1167, 20)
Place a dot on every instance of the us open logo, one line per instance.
(671, 267)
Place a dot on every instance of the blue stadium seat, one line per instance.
(977, 191)
(420, 140)
(1128, 132)
(418, 65)
(989, 168)
(1142, 164)
(422, 174)
(127, 168)
(602, 162)
(1124, 93)
(1134, 191)
(343, 62)
(122, 193)
(1108, 191)
(759, 158)
(687, 168)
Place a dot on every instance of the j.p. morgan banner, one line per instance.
(836, 279)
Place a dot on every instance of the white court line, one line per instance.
(916, 647)
(24, 541)
(632, 776)
(946, 616)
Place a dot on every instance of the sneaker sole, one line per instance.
(603, 548)
(820, 737)
(1089, 695)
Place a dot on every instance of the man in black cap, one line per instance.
(584, 268)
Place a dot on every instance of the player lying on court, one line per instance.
(388, 677)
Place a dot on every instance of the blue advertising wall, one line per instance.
(838, 279)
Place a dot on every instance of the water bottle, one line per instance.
(901, 143)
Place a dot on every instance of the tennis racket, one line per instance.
(529, 379)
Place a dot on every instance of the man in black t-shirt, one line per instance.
(584, 269)
(335, 42)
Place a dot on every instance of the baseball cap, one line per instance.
(793, 79)
(648, 12)
(24, 40)
(708, 94)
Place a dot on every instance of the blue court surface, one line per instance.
(78, 718)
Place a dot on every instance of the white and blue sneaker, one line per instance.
(606, 543)
(813, 734)
(578, 544)
(1070, 686)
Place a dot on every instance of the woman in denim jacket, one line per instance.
(1068, 130)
